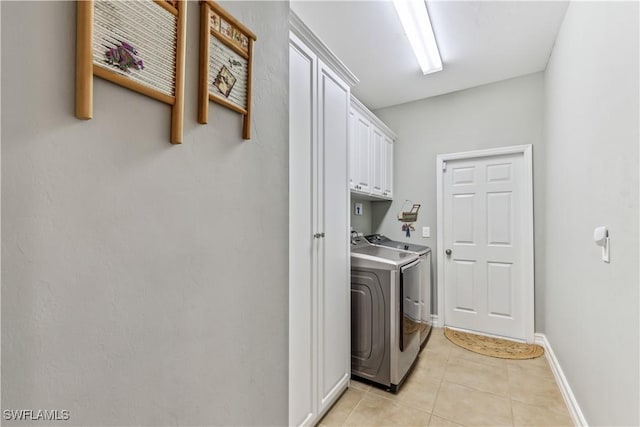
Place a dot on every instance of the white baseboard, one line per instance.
(572, 404)
(436, 321)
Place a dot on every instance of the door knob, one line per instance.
(448, 252)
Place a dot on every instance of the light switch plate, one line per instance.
(357, 209)
(426, 231)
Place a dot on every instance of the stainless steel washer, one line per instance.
(424, 252)
(385, 319)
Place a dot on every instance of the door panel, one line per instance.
(354, 163)
(362, 153)
(499, 173)
(377, 145)
(463, 212)
(302, 99)
(334, 340)
(499, 282)
(464, 284)
(387, 170)
(499, 218)
(483, 209)
(463, 175)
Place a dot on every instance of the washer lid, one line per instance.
(387, 258)
(377, 239)
(382, 240)
(405, 246)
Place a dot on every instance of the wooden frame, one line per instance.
(239, 50)
(87, 67)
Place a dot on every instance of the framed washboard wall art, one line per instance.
(226, 62)
(137, 44)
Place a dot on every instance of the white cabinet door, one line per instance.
(354, 163)
(387, 167)
(377, 161)
(334, 364)
(362, 134)
(302, 128)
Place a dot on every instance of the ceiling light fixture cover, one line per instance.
(417, 26)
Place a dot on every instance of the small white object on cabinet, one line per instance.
(370, 154)
(319, 251)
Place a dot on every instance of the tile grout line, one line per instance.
(507, 395)
(438, 392)
(354, 408)
(541, 406)
(450, 357)
(513, 417)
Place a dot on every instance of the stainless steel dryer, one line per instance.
(424, 252)
(385, 320)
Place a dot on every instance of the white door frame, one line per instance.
(528, 263)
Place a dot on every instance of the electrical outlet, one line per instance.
(357, 209)
(426, 231)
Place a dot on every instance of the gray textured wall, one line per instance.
(362, 223)
(142, 283)
(592, 133)
(495, 115)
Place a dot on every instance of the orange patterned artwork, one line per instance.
(215, 22)
(226, 49)
(229, 31)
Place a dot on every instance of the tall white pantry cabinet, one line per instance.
(319, 253)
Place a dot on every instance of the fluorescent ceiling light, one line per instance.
(417, 25)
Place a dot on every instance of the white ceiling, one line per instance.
(480, 42)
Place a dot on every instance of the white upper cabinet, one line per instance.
(370, 154)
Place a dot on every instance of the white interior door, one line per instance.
(486, 245)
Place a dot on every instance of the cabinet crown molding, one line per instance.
(362, 109)
(304, 33)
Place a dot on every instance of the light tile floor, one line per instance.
(450, 386)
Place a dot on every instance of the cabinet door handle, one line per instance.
(322, 234)
(316, 236)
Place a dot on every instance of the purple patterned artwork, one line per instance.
(124, 57)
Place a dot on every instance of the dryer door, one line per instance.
(368, 326)
(410, 318)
